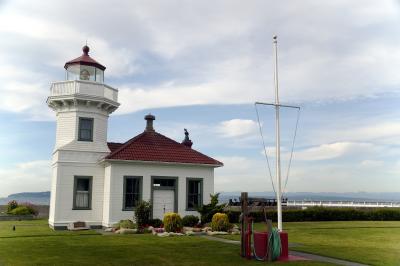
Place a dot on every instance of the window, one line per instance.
(82, 193)
(85, 129)
(194, 193)
(132, 192)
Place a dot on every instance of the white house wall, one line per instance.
(53, 194)
(62, 204)
(68, 126)
(117, 171)
(106, 194)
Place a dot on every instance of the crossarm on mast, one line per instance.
(280, 105)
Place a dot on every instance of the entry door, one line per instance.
(163, 202)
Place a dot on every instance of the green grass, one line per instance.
(33, 243)
(369, 242)
(34, 228)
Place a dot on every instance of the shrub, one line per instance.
(155, 223)
(190, 220)
(127, 224)
(142, 213)
(11, 205)
(21, 210)
(32, 208)
(172, 222)
(220, 222)
(208, 210)
(326, 214)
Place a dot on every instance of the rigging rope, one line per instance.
(265, 148)
(291, 153)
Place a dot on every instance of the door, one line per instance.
(163, 202)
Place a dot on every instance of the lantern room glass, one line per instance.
(83, 72)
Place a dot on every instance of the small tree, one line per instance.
(142, 213)
(11, 205)
(208, 210)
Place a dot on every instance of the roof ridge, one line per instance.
(186, 147)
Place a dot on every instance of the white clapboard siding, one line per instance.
(116, 172)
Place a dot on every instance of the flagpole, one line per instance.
(277, 135)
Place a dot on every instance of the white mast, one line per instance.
(277, 135)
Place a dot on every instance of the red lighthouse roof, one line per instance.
(85, 59)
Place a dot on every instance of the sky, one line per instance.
(201, 65)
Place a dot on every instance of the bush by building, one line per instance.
(155, 223)
(220, 222)
(190, 220)
(208, 210)
(142, 213)
(172, 222)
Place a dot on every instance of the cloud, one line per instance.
(242, 174)
(236, 128)
(183, 54)
(26, 176)
(371, 163)
(334, 150)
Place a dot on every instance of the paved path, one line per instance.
(297, 253)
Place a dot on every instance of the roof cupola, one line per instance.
(85, 68)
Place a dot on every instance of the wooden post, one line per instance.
(243, 222)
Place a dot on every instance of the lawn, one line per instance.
(374, 243)
(33, 243)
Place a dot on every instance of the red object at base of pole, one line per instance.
(261, 245)
(285, 245)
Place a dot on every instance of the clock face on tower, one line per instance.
(84, 75)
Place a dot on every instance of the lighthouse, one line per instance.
(96, 183)
(82, 104)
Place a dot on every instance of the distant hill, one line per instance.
(39, 198)
(323, 196)
(43, 198)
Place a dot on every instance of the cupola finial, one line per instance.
(85, 50)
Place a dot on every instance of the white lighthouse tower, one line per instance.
(82, 104)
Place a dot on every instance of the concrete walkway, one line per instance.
(296, 253)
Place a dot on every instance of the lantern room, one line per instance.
(84, 68)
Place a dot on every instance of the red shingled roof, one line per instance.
(154, 147)
(114, 145)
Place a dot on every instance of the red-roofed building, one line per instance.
(101, 182)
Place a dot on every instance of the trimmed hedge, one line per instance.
(220, 222)
(172, 222)
(325, 214)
